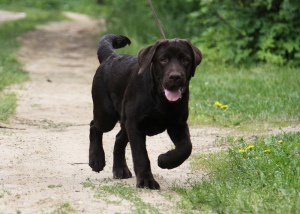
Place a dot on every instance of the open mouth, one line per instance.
(173, 95)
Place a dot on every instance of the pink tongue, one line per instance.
(172, 95)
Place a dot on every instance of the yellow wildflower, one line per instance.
(281, 141)
(242, 150)
(267, 150)
(224, 106)
(256, 157)
(250, 147)
(218, 104)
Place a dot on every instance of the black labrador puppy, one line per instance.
(148, 94)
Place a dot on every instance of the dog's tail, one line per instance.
(110, 42)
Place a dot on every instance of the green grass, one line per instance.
(261, 179)
(122, 192)
(135, 19)
(8, 104)
(88, 183)
(63, 208)
(129, 194)
(4, 191)
(263, 94)
(51, 186)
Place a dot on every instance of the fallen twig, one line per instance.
(6, 127)
(77, 163)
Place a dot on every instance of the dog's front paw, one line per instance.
(149, 183)
(121, 172)
(174, 158)
(97, 163)
(164, 161)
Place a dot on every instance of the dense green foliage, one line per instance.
(250, 177)
(250, 31)
(231, 31)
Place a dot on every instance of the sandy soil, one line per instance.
(48, 144)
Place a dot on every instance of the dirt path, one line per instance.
(44, 161)
(9, 16)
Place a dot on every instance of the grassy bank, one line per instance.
(255, 96)
(256, 176)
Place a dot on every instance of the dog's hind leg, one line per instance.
(120, 168)
(105, 118)
(98, 126)
(96, 152)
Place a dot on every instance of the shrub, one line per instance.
(249, 31)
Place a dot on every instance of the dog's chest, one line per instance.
(153, 125)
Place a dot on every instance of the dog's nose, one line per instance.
(175, 76)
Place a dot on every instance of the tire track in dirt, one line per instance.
(50, 146)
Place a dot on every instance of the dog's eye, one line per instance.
(185, 60)
(164, 60)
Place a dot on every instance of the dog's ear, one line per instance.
(197, 57)
(145, 55)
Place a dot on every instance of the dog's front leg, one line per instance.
(141, 162)
(180, 136)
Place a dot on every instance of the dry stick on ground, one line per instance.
(6, 127)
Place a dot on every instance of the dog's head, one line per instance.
(172, 63)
